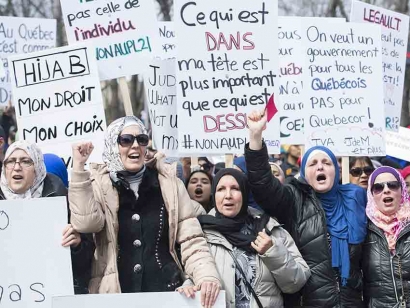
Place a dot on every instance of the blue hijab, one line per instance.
(56, 166)
(345, 207)
(241, 164)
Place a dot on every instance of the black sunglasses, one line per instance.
(356, 172)
(379, 187)
(128, 140)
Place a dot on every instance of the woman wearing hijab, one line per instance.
(24, 176)
(386, 250)
(326, 220)
(138, 215)
(239, 163)
(249, 260)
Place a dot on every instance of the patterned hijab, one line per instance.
(112, 158)
(36, 156)
(391, 225)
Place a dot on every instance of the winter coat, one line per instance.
(280, 269)
(297, 207)
(94, 204)
(82, 255)
(381, 277)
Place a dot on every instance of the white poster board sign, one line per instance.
(394, 34)
(33, 264)
(226, 69)
(398, 143)
(160, 89)
(22, 35)
(344, 89)
(124, 33)
(167, 40)
(157, 300)
(58, 100)
(291, 37)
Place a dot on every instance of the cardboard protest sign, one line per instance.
(398, 143)
(33, 264)
(124, 33)
(19, 36)
(167, 40)
(157, 300)
(394, 35)
(58, 100)
(291, 36)
(160, 89)
(344, 89)
(226, 69)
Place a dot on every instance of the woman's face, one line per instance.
(360, 167)
(132, 157)
(228, 196)
(199, 188)
(277, 174)
(320, 173)
(20, 177)
(388, 200)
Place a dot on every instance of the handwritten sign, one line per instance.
(19, 36)
(394, 34)
(225, 69)
(160, 89)
(291, 37)
(58, 100)
(167, 40)
(33, 264)
(398, 143)
(124, 32)
(157, 300)
(344, 89)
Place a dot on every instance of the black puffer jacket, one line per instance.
(296, 206)
(81, 257)
(382, 283)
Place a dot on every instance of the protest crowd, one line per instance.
(260, 179)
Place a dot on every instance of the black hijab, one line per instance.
(231, 228)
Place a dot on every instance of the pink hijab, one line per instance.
(391, 225)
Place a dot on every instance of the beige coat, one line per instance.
(280, 269)
(94, 205)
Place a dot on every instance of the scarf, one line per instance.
(36, 190)
(56, 166)
(231, 228)
(344, 207)
(241, 164)
(111, 155)
(394, 224)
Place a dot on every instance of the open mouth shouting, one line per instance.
(388, 201)
(321, 178)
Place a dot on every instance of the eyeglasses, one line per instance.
(127, 140)
(379, 187)
(24, 163)
(356, 172)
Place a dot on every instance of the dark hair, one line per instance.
(365, 159)
(196, 171)
(210, 205)
(219, 166)
(206, 160)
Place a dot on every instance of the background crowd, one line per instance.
(273, 231)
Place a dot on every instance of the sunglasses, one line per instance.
(379, 187)
(128, 140)
(356, 172)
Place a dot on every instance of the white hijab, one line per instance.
(36, 190)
